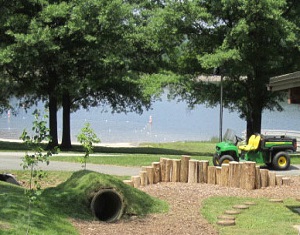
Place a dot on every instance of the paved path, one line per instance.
(12, 161)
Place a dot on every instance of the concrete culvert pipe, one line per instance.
(107, 205)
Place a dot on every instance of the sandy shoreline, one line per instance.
(116, 145)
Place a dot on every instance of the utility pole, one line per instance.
(221, 110)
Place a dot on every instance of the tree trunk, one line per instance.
(66, 135)
(254, 121)
(53, 122)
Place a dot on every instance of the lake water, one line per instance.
(167, 121)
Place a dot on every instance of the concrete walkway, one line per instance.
(13, 160)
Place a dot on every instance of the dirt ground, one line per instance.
(183, 217)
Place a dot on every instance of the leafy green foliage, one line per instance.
(79, 53)
(31, 160)
(87, 137)
(250, 41)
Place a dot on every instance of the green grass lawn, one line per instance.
(265, 218)
(147, 153)
(124, 159)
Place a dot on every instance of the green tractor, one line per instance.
(272, 151)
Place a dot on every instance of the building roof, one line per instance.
(285, 82)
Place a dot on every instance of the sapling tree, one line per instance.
(87, 137)
(37, 154)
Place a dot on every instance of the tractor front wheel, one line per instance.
(216, 160)
(225, 159)
(281, 161)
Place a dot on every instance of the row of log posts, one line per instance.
(245, 175)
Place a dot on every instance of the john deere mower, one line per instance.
(273, 151)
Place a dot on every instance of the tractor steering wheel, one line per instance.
(238, 139)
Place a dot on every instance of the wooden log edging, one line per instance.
(244, 175)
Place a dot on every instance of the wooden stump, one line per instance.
(224, 175)
(234, 175)
(258, 178)
(276, 200)
(286, 181)
(169, 166)
(248, 175)
(157, 172)
(218, 175)
(226, 222)
(264, 175)
(226, 217)
(144, 180)
(136, 181)
(203, 168)
(176, 170)
(150, 174)
(241, 207)
(163, 168)
(193, 171)
(129, 182)
(272, 179)
(211, 178)
(279, 180)
(184, 169)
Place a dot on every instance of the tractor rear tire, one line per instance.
(225, 159)
(281, 161)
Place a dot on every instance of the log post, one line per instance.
(258, 178)
(218, 175)
(279, 180)
(193, 171)
(176, 170)
(272, 179)
(224, 175)
(163, 168)
(234, 174)
(184, 169)
(203, 168)
(157, 171)
(150, 174)
(264, 175)
(286, 181)
(248, 175)
(144, 180)
(168, 170)
(136, 181)
(211, 178)
(129, 182)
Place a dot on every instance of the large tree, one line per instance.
(80, 53)
(248, 40)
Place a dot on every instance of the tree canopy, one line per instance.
(249, 41)
(79, 53)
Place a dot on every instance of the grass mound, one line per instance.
(70, 199)
(82, 185)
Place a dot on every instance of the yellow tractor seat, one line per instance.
(253, 143)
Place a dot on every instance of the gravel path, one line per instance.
(184, 217)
